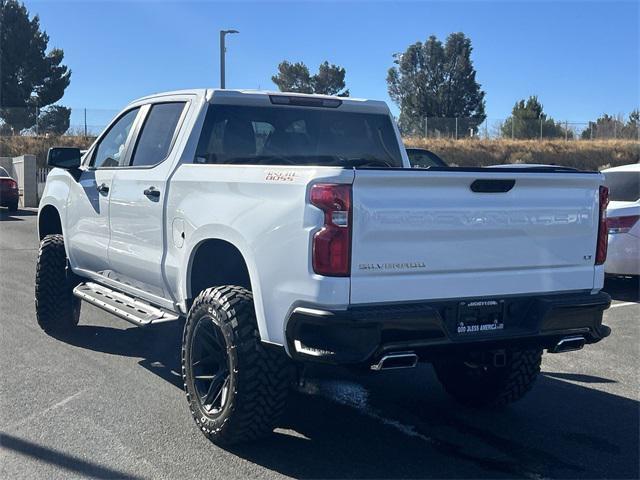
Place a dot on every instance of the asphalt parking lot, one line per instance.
(107, 402)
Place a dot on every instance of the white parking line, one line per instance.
(623, 304)
(46, 410)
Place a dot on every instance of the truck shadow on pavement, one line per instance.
(158, 346)
(402, 425)
(405, 427)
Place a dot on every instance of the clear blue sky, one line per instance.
(581, 58)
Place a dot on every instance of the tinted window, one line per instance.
(424, 158)
(297, 136)
(111, 148)
(157, 133)
(3, 172)
(623, 186)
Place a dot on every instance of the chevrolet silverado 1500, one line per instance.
(285, 229)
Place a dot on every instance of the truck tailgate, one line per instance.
(426, 235)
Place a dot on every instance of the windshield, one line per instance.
(623, 186)
(297, 136)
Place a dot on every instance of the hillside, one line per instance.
(38, 146)
(590, 155)
(586, 155)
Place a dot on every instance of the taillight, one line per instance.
(12, 184)
(601, 249)
(621, 224)
(332, 245)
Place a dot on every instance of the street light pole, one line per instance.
(223, 50)
(1, 22)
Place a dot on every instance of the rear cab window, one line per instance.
(279, 135)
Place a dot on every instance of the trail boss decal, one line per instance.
(280, 176)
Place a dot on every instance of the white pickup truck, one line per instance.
(288, 229)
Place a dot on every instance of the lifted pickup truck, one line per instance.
(288, 229)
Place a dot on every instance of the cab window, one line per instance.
(112, 147)
(156, 137)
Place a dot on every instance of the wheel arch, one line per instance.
(214, 262)
(49, 221)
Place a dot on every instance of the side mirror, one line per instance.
(64, 157)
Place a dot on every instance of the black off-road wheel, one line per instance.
(236, 386)
(478, 383)
(57, 310)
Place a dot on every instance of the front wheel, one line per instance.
(474, 381)
(236, 386)
(57, 310)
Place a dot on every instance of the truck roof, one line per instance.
(262, 97)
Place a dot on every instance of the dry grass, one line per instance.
(38, 146)
(586, 155)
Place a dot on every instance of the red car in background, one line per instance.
(9, 193)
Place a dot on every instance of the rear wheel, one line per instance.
(236, 386)
(13, 206)
(477, 382)
(57, 310)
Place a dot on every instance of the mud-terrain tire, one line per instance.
(484, 385)
(57, 310)
(236, 386)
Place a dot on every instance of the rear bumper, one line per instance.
(8, 196)
(362, 334)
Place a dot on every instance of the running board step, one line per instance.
(128, 308)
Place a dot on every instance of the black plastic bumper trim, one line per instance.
(360, 334)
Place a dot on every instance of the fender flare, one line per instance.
(233, 237)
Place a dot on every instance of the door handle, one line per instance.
(152, 192)
(492, 185)
(103, 188)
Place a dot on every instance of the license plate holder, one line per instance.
(480, 316)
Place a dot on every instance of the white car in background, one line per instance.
(623, 220)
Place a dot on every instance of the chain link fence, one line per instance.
(35, 122)
(523, 129)
(87, 122)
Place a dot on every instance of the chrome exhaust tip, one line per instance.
(396, 360)
(568, 344)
